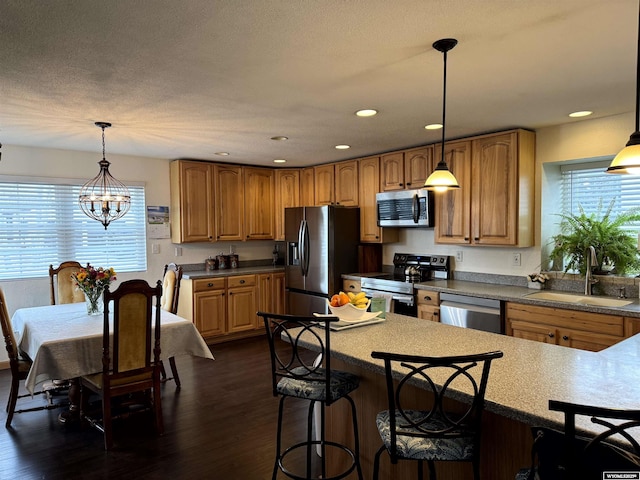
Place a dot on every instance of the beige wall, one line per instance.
(580, 139)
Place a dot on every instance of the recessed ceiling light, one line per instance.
(433, 126)
(223, 154)
(583, 113)
(366, 112)
(343, 147)
(280, 138)
(279, 160)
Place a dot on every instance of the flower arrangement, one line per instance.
(92, 281)
(537, 277)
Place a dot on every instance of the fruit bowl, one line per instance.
(349, 311)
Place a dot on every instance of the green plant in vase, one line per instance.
(616, 249)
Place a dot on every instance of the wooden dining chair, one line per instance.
(132, 364)
(63, 289)
(19, 368)
(171, 278)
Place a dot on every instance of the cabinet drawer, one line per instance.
(427, 297)
(241, 281)
(350, 286)
(204, 284)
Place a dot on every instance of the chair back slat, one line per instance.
(171, 278)
(7, 331)
(132, 326)
(63, 289)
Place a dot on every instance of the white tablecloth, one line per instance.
(64, 342)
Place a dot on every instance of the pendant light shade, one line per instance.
(627, 161)
(104, 198)
(442, 179)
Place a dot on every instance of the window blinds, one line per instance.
(42, 224)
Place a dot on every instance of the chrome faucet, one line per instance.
(592, 261)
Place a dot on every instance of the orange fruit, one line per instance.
(344, 298)
(335, 301)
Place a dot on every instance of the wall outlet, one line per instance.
(178, 252)
(232, 248)
(459, 256)
(516, 260)
(155, 248)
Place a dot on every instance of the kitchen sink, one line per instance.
(582, 299)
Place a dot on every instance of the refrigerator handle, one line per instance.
(415, 208)
(301, 247)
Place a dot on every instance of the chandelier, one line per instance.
(103, 198)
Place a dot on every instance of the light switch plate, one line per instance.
(155, 248)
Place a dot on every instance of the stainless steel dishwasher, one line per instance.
(471, 312)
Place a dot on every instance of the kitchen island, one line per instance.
(519, 389)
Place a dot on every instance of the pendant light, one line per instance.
(627, 161)
(104, 198)
(442, 179)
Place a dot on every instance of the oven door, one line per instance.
(400, 303)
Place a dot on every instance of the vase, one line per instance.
(535, 285)
(94, 301)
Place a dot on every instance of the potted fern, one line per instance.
(616, 249)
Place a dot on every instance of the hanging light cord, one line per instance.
(444, 104)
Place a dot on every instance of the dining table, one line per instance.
(65, 342)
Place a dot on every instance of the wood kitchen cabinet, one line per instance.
(369, 185)
(192, 202)
(307, 187)
(271, 293)
(287, 195)
(204, 302)
(324, 182)
(428, 305)
(242, 303)
(229, 202)
(570, 328)
(407, 169)
(337, 184)
(346, 183)
(500, 188)
(259, 203)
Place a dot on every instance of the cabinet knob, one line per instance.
(241, 282)
(551, 335)
(565, 337)
(427, 297)
(408, 184)
(401, 184)
(436, 314)
(377, 237)
(476, 239)
(209, 284)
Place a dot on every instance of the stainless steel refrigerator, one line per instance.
(321, 246)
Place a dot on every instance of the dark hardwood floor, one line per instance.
(220, 425)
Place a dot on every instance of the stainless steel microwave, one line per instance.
(405, 208)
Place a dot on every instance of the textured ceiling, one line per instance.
(189, 78)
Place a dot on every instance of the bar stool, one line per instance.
(426, 431)
(298, 373)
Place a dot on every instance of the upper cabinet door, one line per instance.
(307, 187)
(495, 190)
(346, 183)
(324, 183)
(418, 165)
(287, 195)
(453, 208)
(191, 202)
(229, 205)
(259, 212)
(392, 172)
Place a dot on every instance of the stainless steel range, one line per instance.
(408, 269)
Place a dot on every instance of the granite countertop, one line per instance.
(523, 381)
(511, 293)
(228, 272)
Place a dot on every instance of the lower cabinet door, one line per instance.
(242, 305)
(211, 312)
